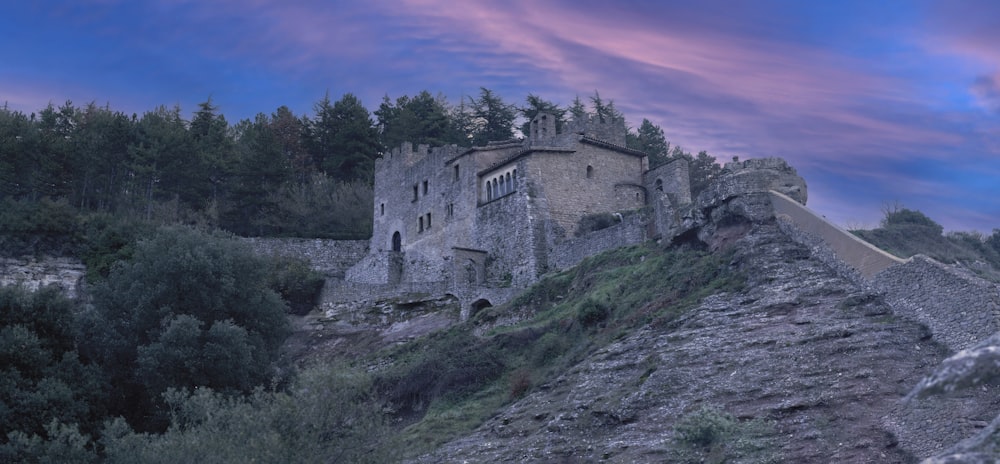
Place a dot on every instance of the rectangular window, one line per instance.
(414, 192)
(425, 187)
(428, 220)
(381, 208)
(421, 229)
(456, 172)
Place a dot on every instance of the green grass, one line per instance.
(448, 383)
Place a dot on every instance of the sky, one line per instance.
(876, 103)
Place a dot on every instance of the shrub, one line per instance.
(189, 309)
(591, 312)
(38, 227)
(297, 283)
(705, 428)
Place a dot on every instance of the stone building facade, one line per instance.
(478, 222)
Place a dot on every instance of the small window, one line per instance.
(425, 187)
(590, 172)
(659, 185)
(414, 192)
(456, 172)
(381, 208)
(428, 220)
(421, 229)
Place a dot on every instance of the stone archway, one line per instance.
(479, 305)
(397, 242)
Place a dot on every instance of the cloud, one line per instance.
(987, 91)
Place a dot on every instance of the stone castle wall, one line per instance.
(331, 257)
(959, 308)
(569, 253)
(590, 180)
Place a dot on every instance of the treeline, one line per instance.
(278, 174)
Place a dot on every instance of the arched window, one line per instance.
(496, 189)
(590, 172)
(510, 184)
(503, 187)
(397, 242)
(489, 192)
(659, 185)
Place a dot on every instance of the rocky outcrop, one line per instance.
(815, 355)
(32, 273)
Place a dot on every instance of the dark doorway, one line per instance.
(479, 305)
(397, 242)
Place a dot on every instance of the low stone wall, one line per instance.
(66, 273)
(959, 308)
(864, 257)
(631, 231)
(331, 257)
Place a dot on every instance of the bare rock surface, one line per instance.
(825, 362)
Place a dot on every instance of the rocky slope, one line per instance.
(820, 362)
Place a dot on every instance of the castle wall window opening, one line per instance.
(456, 172)
(381, 208)
(415, 192)
(421, 229)
(428, 220)
(590, 172)
(425, 187)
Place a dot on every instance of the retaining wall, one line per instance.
(862, 256)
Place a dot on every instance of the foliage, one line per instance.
(46, 226)
(64, 445)
(297, 283)
(446, 365)
(41, 376)
(904, 233)
(710, 435)
(422, 119)
(594, 222)
(188, 310)
(450, 382)
(536, 105)
(650, 140)
(492, 117)
(328, 415)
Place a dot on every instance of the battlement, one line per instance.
(610, 130)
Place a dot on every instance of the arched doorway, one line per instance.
(397, 242)
(479, 305)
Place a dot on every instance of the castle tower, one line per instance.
(542, 128)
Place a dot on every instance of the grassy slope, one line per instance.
(446, 384)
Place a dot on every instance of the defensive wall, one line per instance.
(860, 255)
(957, 307)
(331, 257)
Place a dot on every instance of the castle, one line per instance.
(485, 222)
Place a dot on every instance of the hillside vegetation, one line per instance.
(904, 233)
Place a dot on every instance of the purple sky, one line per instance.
(873, 102)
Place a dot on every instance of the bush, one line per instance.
(188, 310)
(39, 227)
(591, 312)
(297, 283)
(328, 415)
(710, 435)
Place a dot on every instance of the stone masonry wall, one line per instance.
(331, 257)
(585, 182)
(631, 231)
(959, 308)
(860, 255)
